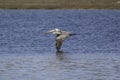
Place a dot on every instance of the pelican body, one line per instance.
(60, 37)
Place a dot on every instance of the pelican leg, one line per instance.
(58, 45)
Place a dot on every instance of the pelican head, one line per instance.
(55, 31)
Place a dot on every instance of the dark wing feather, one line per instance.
(58, 44)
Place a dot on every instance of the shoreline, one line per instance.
(60, 9)
(60, 4)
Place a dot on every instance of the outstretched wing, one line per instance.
(58, 44)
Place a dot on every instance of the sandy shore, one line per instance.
(59, 4)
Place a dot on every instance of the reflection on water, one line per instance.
(60, 66)
(90, 66)
(60, 56)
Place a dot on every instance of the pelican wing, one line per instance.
(62, 37)
(59, 40)
(58, 44)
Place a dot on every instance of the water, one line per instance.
(28, 54)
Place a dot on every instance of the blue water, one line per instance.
(26, 53)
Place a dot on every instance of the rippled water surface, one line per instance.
(28, 54)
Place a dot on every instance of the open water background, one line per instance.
(26, 53)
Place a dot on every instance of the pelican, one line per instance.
(60, 37)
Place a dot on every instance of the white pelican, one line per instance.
(60, 37)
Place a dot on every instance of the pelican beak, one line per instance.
(49, 32)
(45, 32)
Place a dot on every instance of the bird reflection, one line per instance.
(61, 56)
